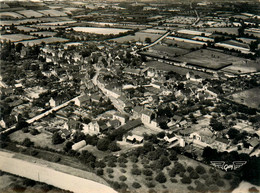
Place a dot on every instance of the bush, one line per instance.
(190, 188)
(122, 165)
(110, 176)
(111, 164)
(110, 170)
(179, 168)
(194, 175)
(150, 184)
(116, 185)
(212, 170)
(113, 147)
(122, 160)
(174, 180)
(215, 176)
(190, 169)
(123, 170)
(136, 185)
(220, 183)
(25, 130)
(57, 139)
(136, 171)
(200, 169)
(100, 172)
(28, 182)
(200, 187)
(213, 188)
(147, 172)
(34, 132)
(56, 159)
(122, 178)
(33, 152)
(161, 178)
(27, 142)
(253, 190)
(227, 176)
(186, 180)
(149, 178)
(205, 177)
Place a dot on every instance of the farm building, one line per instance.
(78, 145)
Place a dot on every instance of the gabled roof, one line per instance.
(222, 140)
(147, 112)
(83, 98)
(254, 142)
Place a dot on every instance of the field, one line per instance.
(229, 30)
(183, 71)
(169, 51)
(104, 31)
(184, 45)
(208, 59)
(243, 68)
(250, 98)
(154, 31)
(26, 29)
(11, 14)
(139, 36)
(53, 13)
(44, 33)
(236, 43)
(16, 37)
(30, 13)
(46, 40)
(59, 22)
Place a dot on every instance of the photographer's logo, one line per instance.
(222, 165)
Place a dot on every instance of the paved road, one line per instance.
(42, 173)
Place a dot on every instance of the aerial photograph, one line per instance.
(130, 96)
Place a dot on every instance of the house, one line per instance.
(137, 111)
(157, 85)
(221, 144)
(72, 124)
(82, 100)
(91, 128)
(113, 123)
(121, 117)
(147, 116)
(134, 139)
(79, 145)
(213, 92)
(253, 143)
(54, 102)
(132, 71)
(95, 98)
(203, 135)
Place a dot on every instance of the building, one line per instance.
(79, 145)
(134, 139)
(121, 117)
(147, 116)
(82, 100)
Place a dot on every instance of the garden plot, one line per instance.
(11, 14)
(16, 37)
(30, 13)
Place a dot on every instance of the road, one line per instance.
(43, 173)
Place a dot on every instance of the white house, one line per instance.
(78, 145)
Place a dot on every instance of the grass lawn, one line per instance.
(250, 98)
(169, 51)
(209, 59)
(42, 140)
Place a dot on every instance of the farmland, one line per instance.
(229, 30)
(208, 59)
(30, 13)
(59, 22)
(10, 15)
(243, 67)
(139, 36)
(16, 37)
(104, 31)
(46, 40)
(26, 29)
(169, 51)
(181, 44)
(250, 98)
(154, 31)
(44, 33)
(52, 13)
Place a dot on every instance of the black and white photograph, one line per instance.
(129, 96)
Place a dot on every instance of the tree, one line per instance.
(200, 169)
(136, 171)
(147, 172)
(122, 178)
(113, 146)
(186, 180)
(27, 142)
(194, 175)
(57, 139)
(103, 144)
(68, 146)
(136, 185)
(100, 172)
(161, 178)
(232, 133)
(148, 40)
